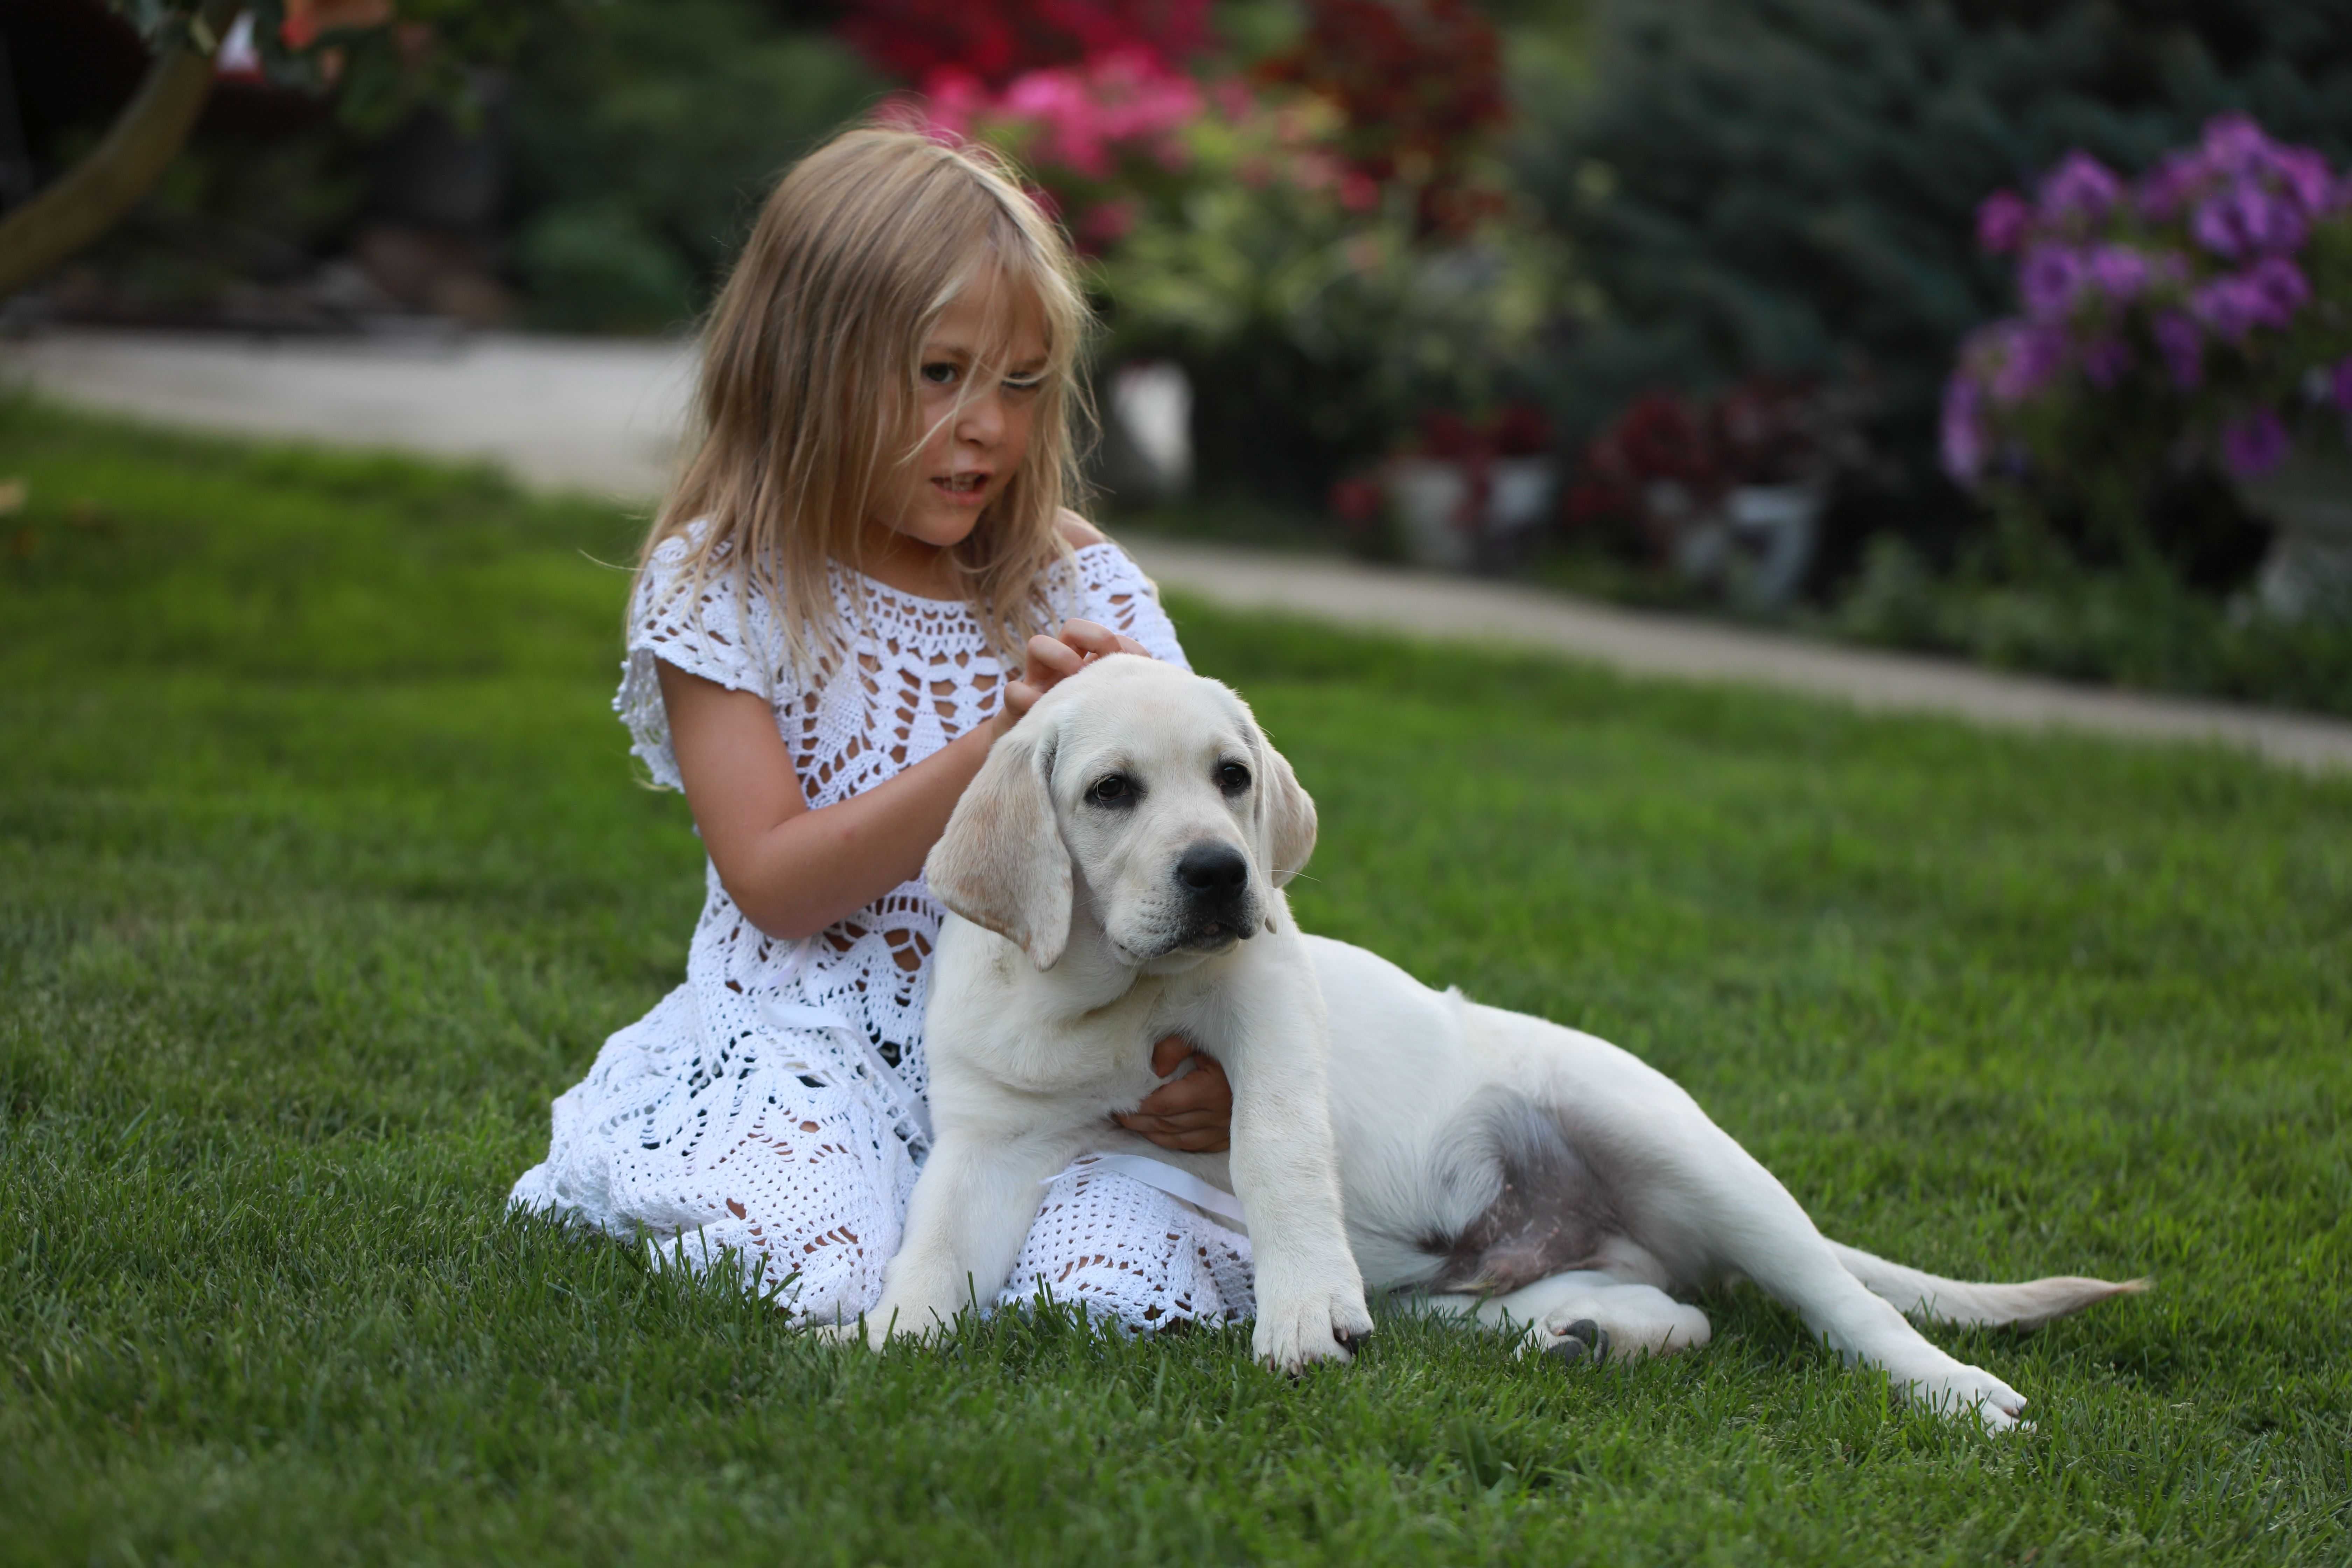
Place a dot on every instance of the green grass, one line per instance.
(322, 870)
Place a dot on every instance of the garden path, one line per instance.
(603, 416)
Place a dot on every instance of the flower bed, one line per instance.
(2201, 312)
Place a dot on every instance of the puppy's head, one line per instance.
(1147, 796)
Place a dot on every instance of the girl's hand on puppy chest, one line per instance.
(1191, 1115)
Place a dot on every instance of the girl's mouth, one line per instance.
(963, 490)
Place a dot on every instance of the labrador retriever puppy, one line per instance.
(1114, 875)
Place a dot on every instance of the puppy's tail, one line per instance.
(1967, 1305)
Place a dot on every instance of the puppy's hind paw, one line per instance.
(1582, 1342)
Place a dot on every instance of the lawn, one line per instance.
(322, 868)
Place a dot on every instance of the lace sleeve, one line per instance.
(709, 634)
(1114, 591)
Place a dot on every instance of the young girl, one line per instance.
(821, 643)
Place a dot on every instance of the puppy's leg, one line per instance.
(1285, 1170)
(971, 1208)
(1585, 1313)
(1707, 1187)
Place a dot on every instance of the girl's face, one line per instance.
(976, 396)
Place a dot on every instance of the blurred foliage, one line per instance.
(1420, 91)
(645, 134)
(1314, 334)
(229, 209)
(382, 60)
(2138, 626)
(1791, 184)
(1325, 283)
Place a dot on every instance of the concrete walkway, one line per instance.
(563, 413)
(603, 417)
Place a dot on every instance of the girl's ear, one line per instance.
(1288, 814)
(1002, 863)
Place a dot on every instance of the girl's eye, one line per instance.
(1024, 383)
(942, 373)
(1233, 778)
(1110, 791)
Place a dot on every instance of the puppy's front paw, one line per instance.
(1959, 1391)
(1293, 1329)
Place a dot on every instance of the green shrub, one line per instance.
(645, 133)
(2138, 628)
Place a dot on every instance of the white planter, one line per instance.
(1430, 498)
(1754, 547)
(2309, 568)
(1774, 530)
(1519, 494)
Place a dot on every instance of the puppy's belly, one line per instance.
(1457, 1178)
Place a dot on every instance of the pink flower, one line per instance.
(2247, 220)
(1963, 427)
(2001, 221)
(2255, 444)
(2120, 272)
(2106, 360)
(2024, 359)
(2079, 187)
(2280, 288)
(1108, 223)
(2182, 346)
(2049, 279)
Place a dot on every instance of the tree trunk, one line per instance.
(85, 201)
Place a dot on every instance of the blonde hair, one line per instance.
(808, 387)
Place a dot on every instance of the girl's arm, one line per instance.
(794, 872)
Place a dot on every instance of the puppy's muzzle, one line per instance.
(1213, 880)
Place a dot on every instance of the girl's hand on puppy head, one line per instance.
(1052, 660)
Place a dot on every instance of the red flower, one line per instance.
(1421, 85)
(1356, 501)
(996, 40)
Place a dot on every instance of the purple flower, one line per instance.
(2048, 280)
(2227, 307)
(2120, 272)
(2279, 288)
(1964, 430)
(2106, 360)
(2079, 187)
(2247, 220)
(2234, 144)
(2026, 359)
(2255, 445)
(2001, 221)
(2182, 346)
(2304, 173)
(2166, 188)
(2340, 384)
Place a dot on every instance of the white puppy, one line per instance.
(1114, 874)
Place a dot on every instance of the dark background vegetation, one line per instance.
(1728, 189)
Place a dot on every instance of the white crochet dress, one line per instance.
(773, 1106)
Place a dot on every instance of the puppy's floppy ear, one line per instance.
(1287, 812)
(1002, 863)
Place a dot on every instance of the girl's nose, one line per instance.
(982, 420)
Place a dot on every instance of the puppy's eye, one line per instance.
(1232, 777)
(1113, 790)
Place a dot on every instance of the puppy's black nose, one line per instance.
(1212, 870)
